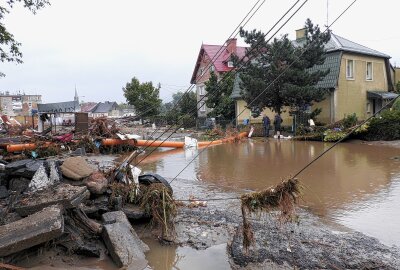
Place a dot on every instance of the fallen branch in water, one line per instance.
(283, 197)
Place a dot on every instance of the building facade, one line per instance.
(18, 104)
(360, 81)
(214, 58)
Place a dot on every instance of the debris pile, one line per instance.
(70, 206)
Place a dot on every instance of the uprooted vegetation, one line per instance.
(283, 197)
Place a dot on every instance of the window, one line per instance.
(212, 68)
(202, 106)
(369, 71)
(230, 64)
(350, 69)
(202, 90)
(201, 71)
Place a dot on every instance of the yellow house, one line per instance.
(359, 81)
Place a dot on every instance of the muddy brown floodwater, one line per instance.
(355, 185)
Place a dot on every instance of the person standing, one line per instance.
(277, 124)
(266, 123)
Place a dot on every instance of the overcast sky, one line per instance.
(100, 45)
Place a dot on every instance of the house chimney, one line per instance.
(301, 33)
(231, 45)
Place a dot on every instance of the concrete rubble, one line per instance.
(66, 203)
(125, 247)
(35, 229)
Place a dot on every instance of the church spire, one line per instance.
(76, 98)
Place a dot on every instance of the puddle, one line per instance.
(174, 257)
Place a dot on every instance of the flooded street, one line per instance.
(355, 185)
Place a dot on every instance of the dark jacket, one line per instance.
(278, 120)
(266, 121)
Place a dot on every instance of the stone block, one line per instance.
(31, 231)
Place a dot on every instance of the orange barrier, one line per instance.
(111, 142)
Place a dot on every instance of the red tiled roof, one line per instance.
(88, 106)
(222, 57)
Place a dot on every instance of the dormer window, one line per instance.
(230, 64)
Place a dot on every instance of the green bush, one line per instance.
(396, 105)
(385, 127)
(334, 135)
(350, 121)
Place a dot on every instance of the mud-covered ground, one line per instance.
(308, 244)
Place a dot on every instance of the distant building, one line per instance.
(105, 109)
(18, 104)
(88, 107)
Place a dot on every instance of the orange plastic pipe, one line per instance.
(110, 142)
(23, 146)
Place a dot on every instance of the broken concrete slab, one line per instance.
(66, 195)
(19, 184)
(45, 177)
(97, 183)
(40, 180)
(125, 247)
(13, 166)
(32, 230)
(29, 170)
(76, 168)
(3, 192)
(54, 174)
(79, 152)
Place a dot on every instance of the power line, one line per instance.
(280, 75)
(208, 67)
(230, 72)
(214, 58)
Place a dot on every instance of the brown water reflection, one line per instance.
(350, 185)
(347, 174)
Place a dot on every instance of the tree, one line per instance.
(9, 47)
(219, 96)
(397, 90)
(144, 97)
(287, 66)
(182, 108)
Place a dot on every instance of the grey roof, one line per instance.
(104, 107)
(382, 95)
(338, 43)
(60, 107)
